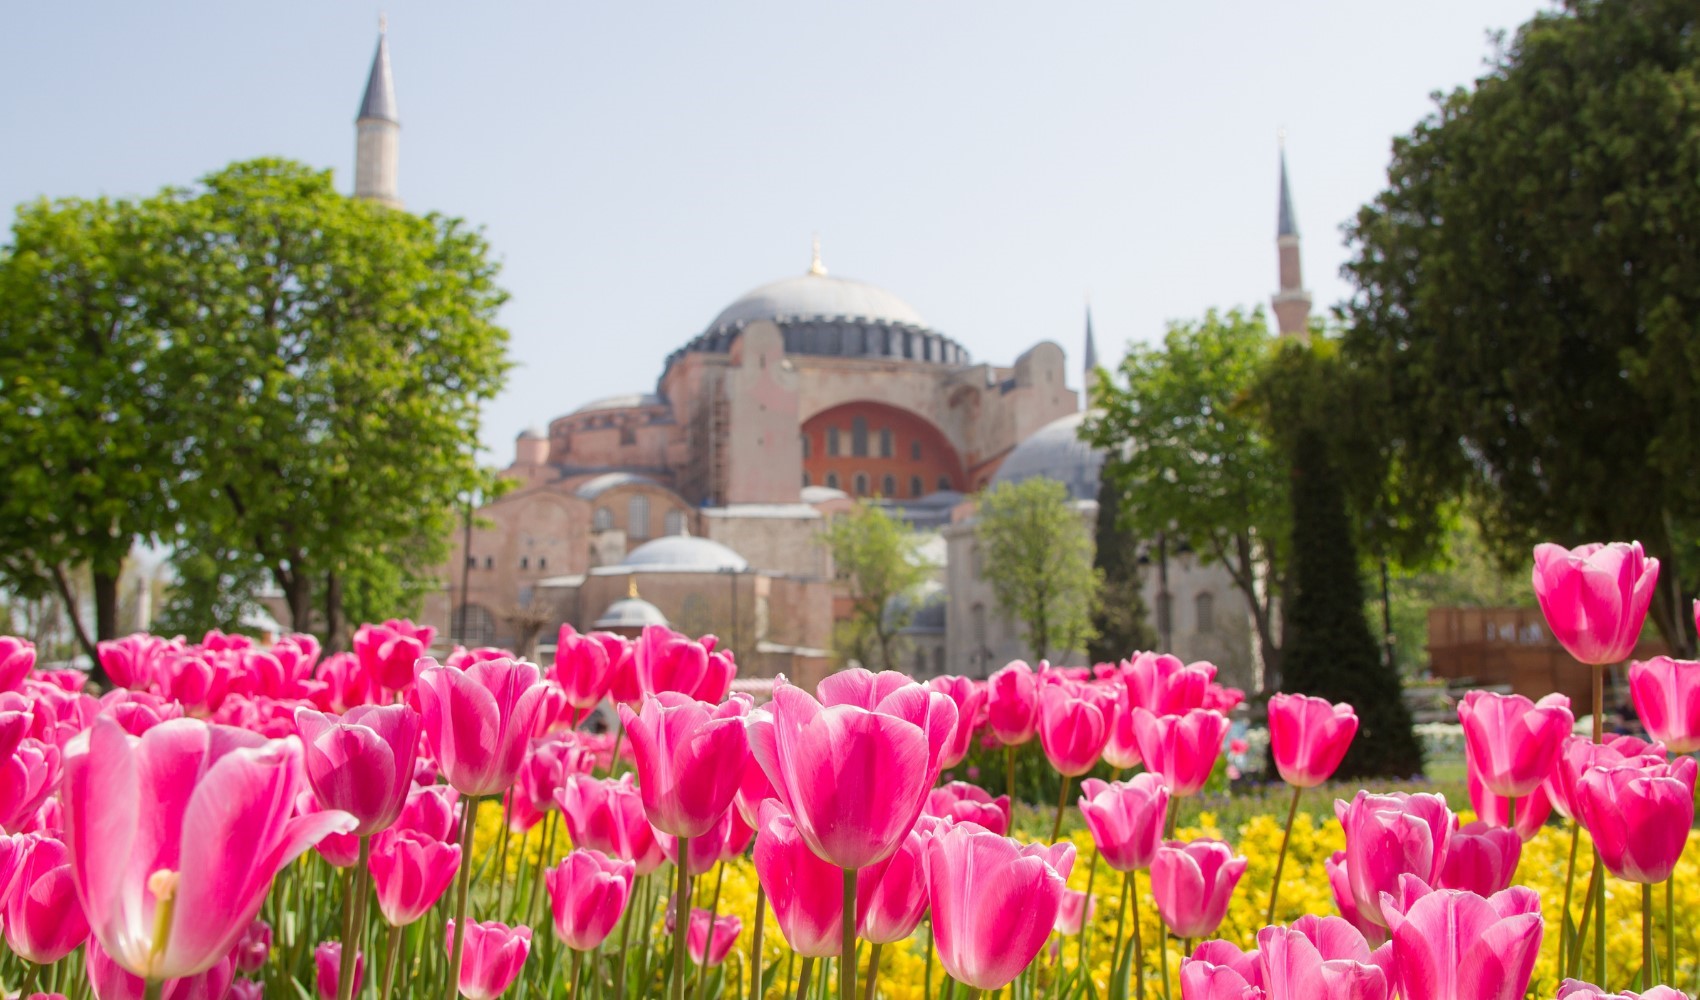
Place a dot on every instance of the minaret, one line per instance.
(377, 133)
(1292, 302)
(1090, 381)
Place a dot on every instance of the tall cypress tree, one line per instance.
(1121, 618)
(1329, 651)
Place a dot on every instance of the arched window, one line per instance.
(602, 520)
(479, 628)
(915, 487)
(859, 437)
(833, 445)
(637, 517)
(806, 483)
(542, 562)
(805, 441)
(1204, 610)
(887, 442)
(914, 451)
(489, 562)
(888, 486)
(861, 482)
(524, 562)
(674, 522)
(944, 482)
(832, 480)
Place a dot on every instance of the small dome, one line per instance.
(532, 433)
(823, 494)
(818, 295)
(1055, 451)
(683, 554)
(630, 612)
(626, 401)
(590, 489)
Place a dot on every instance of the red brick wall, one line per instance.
(937, 467)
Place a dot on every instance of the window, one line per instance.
(637, 517)
(859, 437)
(888, 486)
(489, 562)
(602, 520)
(920, 667)
(674, 522)
(1204, 609)
(542, 562)
(979, 617)
(832, 480)
(938, 659)
(524, 562)
(833, 446)
(887, 442)
(1164, 615)
(471, 562)
(806, 483)
(914, 451)
(474, 626)
(804, 439)
(915, 487)
(944, 482)
(861, 482)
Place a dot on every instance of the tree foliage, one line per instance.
(1189, 451)
(1037, 554)
(874, 553)
(1121, 621)
(1529, 291)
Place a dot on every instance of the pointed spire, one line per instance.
(379, 102)
(1091, 345)
(1284, 225)
(815, 266)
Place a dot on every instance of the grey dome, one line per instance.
(590, 489)
(683, 554)
(627, 401)
(812, 295)
(1055, 451)
(630, 612)
(927, 606)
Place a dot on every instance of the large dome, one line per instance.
(824, 316)
(683, 554)
(1055, 451)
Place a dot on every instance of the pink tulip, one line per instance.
(430, 810)
(495, 953)
(854, 773)
(608, 815)
(1595, 597)
(587, 893)
(1639, 817)
(340, 850)
(1126, 818)
(969, 698)
(961, 802)
(28, 775)
(546, 768)
(669, 661)
(1192, 883)
(1666, 693)
(254, 947)
(1012, 704)
(891, 897)
(725, 840)
(806, 893)
(1512, 742)
(345, 683)
(584, 664)
(1579, 753)
(1453, 945)
(1121, 749)
(690, 758)
(1391, 835)
(130, 662)
(361, 763)
(1481, 859)
(1575, 989)
(1309, 737)
(137, 807)
(410, 872)
(1163, 685)
(17, 659)
(1220, 971)
(754, 788)
(387, 652)
(327, 964)
(112, 981)
(1072, 729)
(246, 989)
(478, 721)
(1495, 810)
(1181, 748)
(710, 939)
(44, 921)
(1323, 957)
(1340, 887)
(994, 902)
(1076, 908)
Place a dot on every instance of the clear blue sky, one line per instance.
(639, 165)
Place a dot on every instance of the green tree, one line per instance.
(330, 357)
(1038, 558)
(1527, 288)
(1190, 451)
(874, 554)
(1120, 618)
(85, 408)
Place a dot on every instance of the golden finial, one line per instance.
(631, 586)
(815, 266)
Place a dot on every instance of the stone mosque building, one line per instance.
(701, 502)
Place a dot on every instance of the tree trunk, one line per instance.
(105, 616)
(1668, 609)
(298, 594)
(73, 614)
(334, 639)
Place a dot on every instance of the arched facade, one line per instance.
(867, 448)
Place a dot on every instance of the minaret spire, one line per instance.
(1292, 301)
(1090, 381)
(377, 131)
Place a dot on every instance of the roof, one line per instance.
(630, 612)
(379, 101)
(681, 554)
(1056, 452)
(823, 494)
(593, 488)
(627, 401)
(783, 511)
(812, 295)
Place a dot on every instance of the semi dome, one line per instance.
(630, 612)
(1055, 451)
(683, 554)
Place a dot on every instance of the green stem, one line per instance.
(1511, 813)
(1281, 859)
(1569, 882)
(542, 865)
(152, 991)
(1086, 914)
(468, 819)
(873, 971)
(927, 976)
(1578, 947)
(503, 834)
(1670, 928)
(1138, 945)
(1646, 935)
(755, 942)
(572, 977)
(1600, 921)
(614, 759)
(390, 954)
(847, 956)
(1062, 802)
(713, 911)
(803, 980)
(1163, 942)
(354, 906)
(1121, 922)
(626, 937)
(1009, 775)
(681, 917)
(790, 967)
